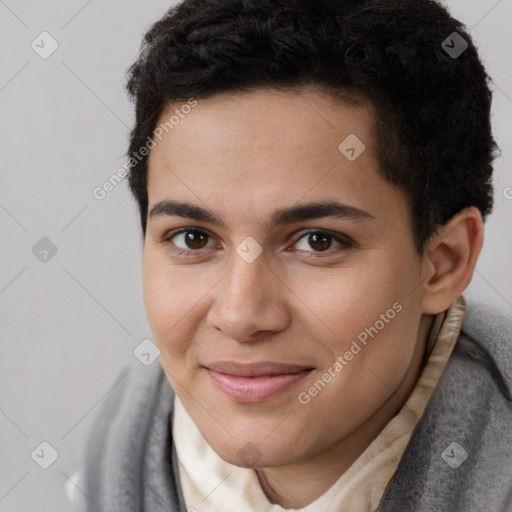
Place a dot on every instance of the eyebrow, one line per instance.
(281, 216)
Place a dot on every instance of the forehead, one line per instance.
(296, 124)
(248, 152)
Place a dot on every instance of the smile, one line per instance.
(254, 383)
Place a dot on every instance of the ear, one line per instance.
(449, 259)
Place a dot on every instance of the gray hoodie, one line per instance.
(459, 457)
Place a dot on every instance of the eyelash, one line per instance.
(345, 242)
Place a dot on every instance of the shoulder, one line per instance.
(459, 458)
(475, 389)
(106, 461)
(486, 343)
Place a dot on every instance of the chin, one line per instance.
(255, 453)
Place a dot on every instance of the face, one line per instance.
(280, 275)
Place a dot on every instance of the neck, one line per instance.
(298, 485)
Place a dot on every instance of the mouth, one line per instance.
(256, 382)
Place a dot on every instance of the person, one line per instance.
(312, 180)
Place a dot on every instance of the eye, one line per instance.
(321, 241)
(188, 240)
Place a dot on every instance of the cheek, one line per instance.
(351, 300)
(168, 302)
(370, 315)
(159, 297)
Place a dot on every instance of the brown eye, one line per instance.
(189, 239)
(320, 241)
(195, 239)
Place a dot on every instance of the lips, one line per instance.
(267, 368)
(254, 382)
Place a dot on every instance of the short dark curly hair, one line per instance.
(432, 127)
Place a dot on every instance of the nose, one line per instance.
(250, 302)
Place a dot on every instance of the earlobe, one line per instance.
(450, 258)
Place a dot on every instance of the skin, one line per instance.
(243, 156)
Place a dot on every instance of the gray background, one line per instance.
(70, 324)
